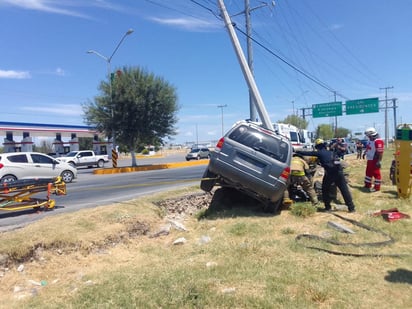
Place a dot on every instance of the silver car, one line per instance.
(253, 160)
(198, 153)
(26, 165)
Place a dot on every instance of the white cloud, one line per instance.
(60, 72)
(192, 24)
(14, 74)
(48, 6)
(335, 27)
(64, 7)
(67, 110)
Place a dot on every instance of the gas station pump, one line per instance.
(9, 144)
(58, 147)
(26, 142)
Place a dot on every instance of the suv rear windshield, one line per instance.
(261, 142)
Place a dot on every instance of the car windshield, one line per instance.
(261, 142)
(71, 154)
(195, 150)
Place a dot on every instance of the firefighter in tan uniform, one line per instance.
(299, 169)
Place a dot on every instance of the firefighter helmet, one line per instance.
(371, 132)
(319, 143)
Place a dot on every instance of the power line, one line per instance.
(312, 78)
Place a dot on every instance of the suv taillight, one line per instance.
(219, 144)
(285, 174)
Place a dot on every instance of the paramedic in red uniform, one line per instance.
(373, 153)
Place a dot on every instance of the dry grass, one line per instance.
(104, 257)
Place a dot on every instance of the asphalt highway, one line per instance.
(96, 190)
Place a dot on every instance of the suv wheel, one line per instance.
(273, 207)
(208, 181)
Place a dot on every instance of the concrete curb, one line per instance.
(130, 169)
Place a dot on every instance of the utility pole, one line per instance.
(293, 102)
(221, 109)
(260, 106)
(247, 11)
(197, 137)
(336, 117)
(386, 115)
(394, 115)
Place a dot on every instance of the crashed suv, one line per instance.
(253, 160)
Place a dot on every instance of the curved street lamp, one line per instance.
(109, 73)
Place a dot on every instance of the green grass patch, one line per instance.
(106, 257)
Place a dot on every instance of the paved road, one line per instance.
(91, 190)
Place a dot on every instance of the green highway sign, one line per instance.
(362, 106)
(327, 109)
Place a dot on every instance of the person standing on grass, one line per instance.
(339, 147)
(333, 174)
(359, 148)
(373, 153)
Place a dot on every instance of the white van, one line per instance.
(300, 139)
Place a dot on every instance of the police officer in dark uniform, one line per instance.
(333, 174)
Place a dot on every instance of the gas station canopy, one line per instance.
(46, 130)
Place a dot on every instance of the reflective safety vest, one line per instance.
(298, 166)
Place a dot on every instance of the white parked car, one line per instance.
(27, 165)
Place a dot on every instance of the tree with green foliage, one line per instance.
(138, 106)
(324, 131)
(342, 132)
(296, 121)
(85, 143)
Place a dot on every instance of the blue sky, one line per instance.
(349, 46)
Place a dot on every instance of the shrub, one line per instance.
(302, 209)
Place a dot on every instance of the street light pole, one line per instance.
(109, 76)
(221, 109)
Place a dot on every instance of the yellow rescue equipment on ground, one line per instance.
(17, 195)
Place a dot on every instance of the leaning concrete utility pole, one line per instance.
(247, 12)
(260, 106)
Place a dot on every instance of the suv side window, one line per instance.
(261, 142)
(20, 158)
